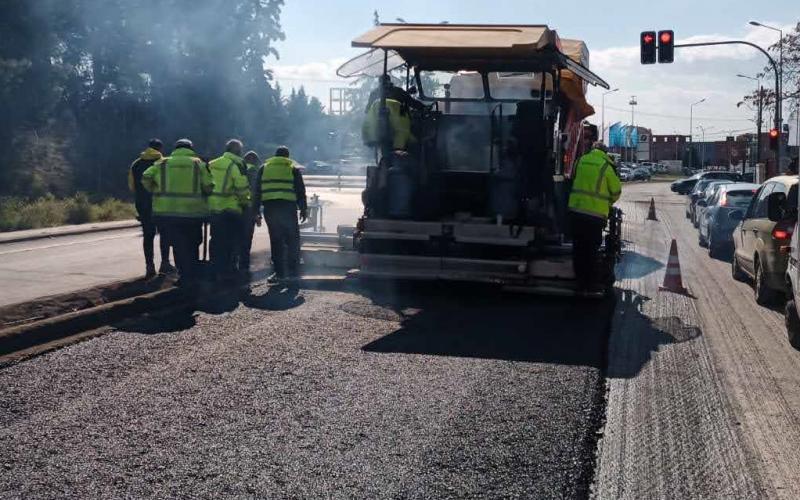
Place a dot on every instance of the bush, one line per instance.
(48, 211)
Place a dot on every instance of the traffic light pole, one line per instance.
(778, 99)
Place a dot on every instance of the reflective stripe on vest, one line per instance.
(177, 194)
(277, 180)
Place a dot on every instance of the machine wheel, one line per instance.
(763, 294)
(736, 271)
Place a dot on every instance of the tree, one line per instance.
(791, 71)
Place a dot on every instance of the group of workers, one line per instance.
(177, 194)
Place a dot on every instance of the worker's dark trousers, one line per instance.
(284, 237)
(587, 236)
(226, 232)
(149, 231)
(182, 237)
(246, 246)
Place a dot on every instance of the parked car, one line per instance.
(715, 229)
(693, 196)
(760, 235)
(625, 174)
(641, 174)
(710, 190)
(685, 186)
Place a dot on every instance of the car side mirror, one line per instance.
(776, 207)
(702, 203)
(736, 215)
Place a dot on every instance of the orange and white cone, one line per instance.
(652, 214)
(672, 278)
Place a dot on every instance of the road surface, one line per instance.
(34, 269)
(425, 392)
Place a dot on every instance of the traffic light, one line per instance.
(666, 46)
(648, 47)
(774, 139)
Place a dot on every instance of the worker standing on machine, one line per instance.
(595, 189)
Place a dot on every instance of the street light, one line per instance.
(703, 142)
(779, 97)
(691, 133)
(603, 127)
(634, 130)
(760, 92)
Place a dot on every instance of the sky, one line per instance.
(318, 36)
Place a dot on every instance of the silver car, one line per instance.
(716, 224)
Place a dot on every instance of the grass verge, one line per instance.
(18, 213)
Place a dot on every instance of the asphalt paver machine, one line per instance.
(477, 189)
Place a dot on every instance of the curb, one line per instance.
(55, 232)
(41, 332)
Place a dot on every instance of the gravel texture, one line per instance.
(424, 392)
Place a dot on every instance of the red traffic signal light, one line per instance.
(666, 46)
(774, 139)
(647, 45)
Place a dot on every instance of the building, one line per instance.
(668, 147)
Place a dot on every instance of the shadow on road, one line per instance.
(637, 336)
(276, 298)
(171, 320)
(482, 322)
(635, 265)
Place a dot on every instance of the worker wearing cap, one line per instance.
(144, 209)
(252, 214)
(226, 204)
(595, 189)
(180, 185)
(282, 194)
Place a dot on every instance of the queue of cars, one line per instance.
(754, 224)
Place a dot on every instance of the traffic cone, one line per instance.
(652, 214)
(672, 278)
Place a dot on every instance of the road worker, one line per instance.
(144, 209)
(283, 193)
(595, 188)
(231, 197)
(180, 185)
(252, 215)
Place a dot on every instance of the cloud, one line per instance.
(319, 71)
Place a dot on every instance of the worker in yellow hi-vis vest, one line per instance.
(180, 185)
(227, 204)
(595, 189)
(283, 193)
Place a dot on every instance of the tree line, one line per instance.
(85, 83)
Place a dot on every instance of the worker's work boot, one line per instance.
(274, 279)
(150, 272)
(166, 268)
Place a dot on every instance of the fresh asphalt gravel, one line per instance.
(412, 392)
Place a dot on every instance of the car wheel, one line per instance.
(792, 324)
(764, 295)
(736, 271)
(713, 251)
(700, 240)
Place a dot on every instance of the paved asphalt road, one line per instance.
(425, 392)
(34, 269)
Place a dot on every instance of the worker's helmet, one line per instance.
(155, 144)
(251, 157)
(282, 151)
(184, 143)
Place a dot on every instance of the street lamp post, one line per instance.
(759, 115)
(691, 133)
(779, 96)
(603, 127)
(634, 130)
